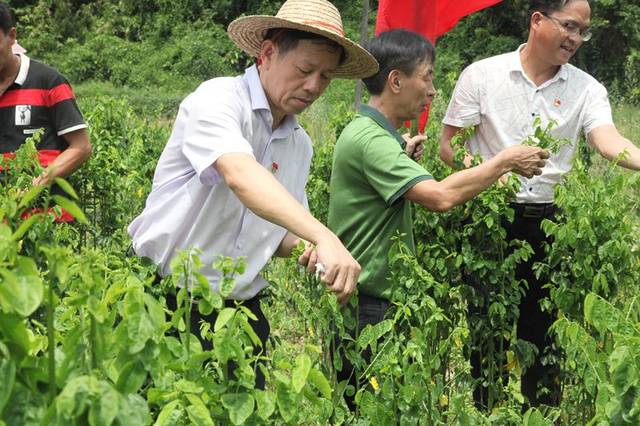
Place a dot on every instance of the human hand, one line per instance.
(415, 145)
(341, 270)
(309, 257)
(525, 160)
(504, 179)
(43, 179)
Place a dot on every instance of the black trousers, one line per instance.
(260, 326)
(370, 310)
(533, 323)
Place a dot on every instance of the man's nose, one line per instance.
(314, 84)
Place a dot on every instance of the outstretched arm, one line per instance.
(461, 186)
(610, 143)
(260, 192)
(78, 151)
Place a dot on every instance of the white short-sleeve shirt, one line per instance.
(497, 97)
(190, 206)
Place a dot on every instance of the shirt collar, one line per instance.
(516, 65)
(24, 69)
(260, 103)
(382, 121)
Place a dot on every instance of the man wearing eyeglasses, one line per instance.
(501, 97)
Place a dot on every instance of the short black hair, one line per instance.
(549, 6)
(7, 21)
(287, 39)
(397, 50)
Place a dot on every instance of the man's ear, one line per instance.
(12, 34)
(268, 52)
(394, 81)
(536, 19)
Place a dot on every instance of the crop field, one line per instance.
(86, 337)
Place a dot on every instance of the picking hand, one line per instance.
(415, 145)
(341, 270)
(526, 160)
(309, 258)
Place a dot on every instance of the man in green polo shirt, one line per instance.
(375, 176)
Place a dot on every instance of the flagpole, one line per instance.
(364, 31)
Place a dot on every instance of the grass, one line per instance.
(626, 119)
(148, 102)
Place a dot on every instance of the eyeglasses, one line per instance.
(571, 27)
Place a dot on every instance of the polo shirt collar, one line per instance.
(515, 65)
(24, 69)
(382, 121)
(260, 103)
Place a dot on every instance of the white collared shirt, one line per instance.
(190, 206)
(497, 97)
(25, 61)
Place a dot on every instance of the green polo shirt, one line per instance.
(371, 173)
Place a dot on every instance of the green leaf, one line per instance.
(198, 412)
(97, 309)
(133, 411)
(30, 195)
(533, 417)
(105, 405)
(71, 207)
(66, 187)
(287, 402)
(73, 398)
(372, 333)
(131, 377)
(187, 386)
(223, 318)
(266, 403)
(139, 327)
(155, 313)
(600, 313)
(300, 372)
(170, 414)
(16, 334)
(21, 291)
(25, 225)
(240, 406)
(8, 374)
(320, 382)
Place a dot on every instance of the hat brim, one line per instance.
(248, 34)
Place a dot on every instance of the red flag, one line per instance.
(431, 18)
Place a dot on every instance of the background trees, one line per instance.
(184, 40)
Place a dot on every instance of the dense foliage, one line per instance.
(183, 41)
(85, 334)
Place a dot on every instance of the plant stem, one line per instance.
(51, 343)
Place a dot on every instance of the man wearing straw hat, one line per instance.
(231, 178)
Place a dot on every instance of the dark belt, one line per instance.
(534, 210)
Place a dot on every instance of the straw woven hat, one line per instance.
(314, 16)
